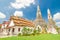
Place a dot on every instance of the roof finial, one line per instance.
(49, 14)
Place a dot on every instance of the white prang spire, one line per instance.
(49, 14)
(38, 11)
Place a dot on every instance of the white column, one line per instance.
(5, 32)
(10, 31)
(16, 30)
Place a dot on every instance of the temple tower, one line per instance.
(50, 19)
(51, 24)
(39, 20)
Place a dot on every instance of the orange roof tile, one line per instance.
(21, 21)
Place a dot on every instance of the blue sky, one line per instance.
(29, 10)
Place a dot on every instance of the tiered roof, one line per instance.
(21, 21)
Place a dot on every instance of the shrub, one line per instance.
(19, 34)
(26, 34)
(33, 34)
(26, 31)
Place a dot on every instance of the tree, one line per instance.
(26, 31)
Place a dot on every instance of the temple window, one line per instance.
(13, 30)
(18, 29)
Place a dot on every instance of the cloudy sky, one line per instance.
(27, 9)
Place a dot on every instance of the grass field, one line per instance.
(36, 37)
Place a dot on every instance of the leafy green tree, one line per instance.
(26, 31)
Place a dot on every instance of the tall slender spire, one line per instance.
(38, 12)
(50, 19)
(39, 20)
(49, 14)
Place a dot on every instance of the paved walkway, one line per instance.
(4, 36)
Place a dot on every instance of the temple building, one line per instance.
(15, 26)
(51, 24)
(39, 22)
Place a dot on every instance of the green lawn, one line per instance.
(36, 37)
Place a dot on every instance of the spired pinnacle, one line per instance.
(38, 11)
(39, 20)
(49, 14)
(50, 19)
(48, 11)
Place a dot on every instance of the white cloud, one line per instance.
(2, 15)
(18, 13)
(58, 24)
(56, 17)
(22, 3)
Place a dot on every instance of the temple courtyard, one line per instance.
(35, 37)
